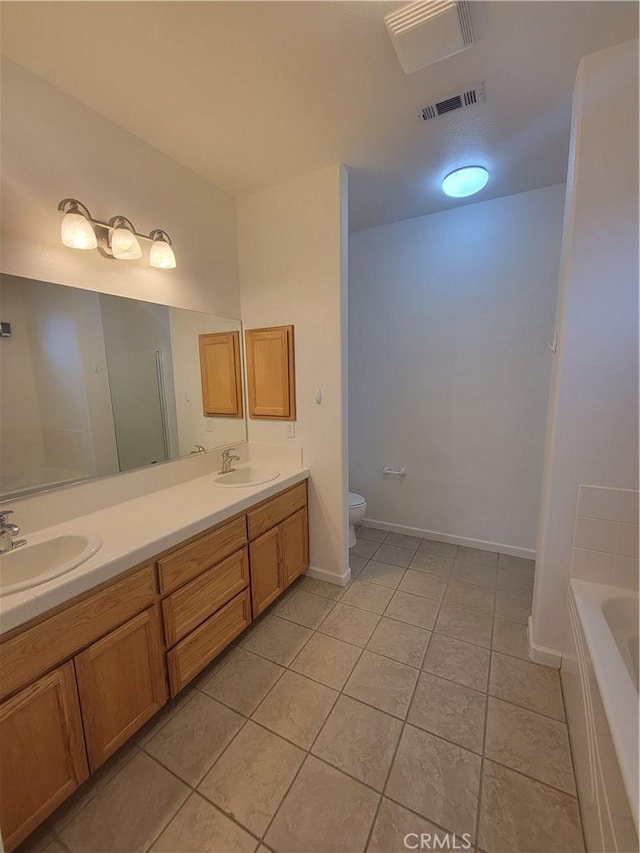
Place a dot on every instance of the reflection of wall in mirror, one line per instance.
(142, 398)
(193, 427)
(55, 410)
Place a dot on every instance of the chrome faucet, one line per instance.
(7, 532)
(228, 457)
(198, 449)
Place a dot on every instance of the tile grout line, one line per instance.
(322, 726)
(484, 745)
(404, 725)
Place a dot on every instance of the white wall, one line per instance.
(291, 247)
(55, 406)
(54, 147)
(21, 439)
(449, 316)
(592, 434)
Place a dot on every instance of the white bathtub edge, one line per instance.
(617, 691)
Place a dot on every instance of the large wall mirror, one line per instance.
(93, 384)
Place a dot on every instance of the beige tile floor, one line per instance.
(346, 718)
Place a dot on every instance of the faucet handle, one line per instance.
(4, 515)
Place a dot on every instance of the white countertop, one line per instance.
(135, 531)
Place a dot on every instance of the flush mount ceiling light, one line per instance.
(465, 181)
(116, 238)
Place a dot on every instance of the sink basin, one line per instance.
(246, 475)
(42, 559)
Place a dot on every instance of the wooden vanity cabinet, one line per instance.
(206, 603)
(43, 753)
(267, 576)
(122, 683)
(190, 656)
(79, 681)
(279, 555)
(295, 545)
(271, 383)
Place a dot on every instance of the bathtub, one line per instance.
(600, 683)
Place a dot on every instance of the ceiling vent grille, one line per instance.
(428, 31)
(468, 98)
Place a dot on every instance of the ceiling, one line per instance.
(249, 94)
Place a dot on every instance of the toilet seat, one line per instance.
(356, 500)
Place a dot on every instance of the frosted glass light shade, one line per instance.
(125, 245)
(77, 232)
(161, 255)
(466, 181)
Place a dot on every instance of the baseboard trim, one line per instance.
(541, 654)
(329, 577)
(510, 550)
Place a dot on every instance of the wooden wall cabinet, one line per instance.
(43, 753)
(221, 374)
(121, 681)
(271, 390)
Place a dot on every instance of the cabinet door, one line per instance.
(121, 680)
(267, 581)
(295, 545)
(221, 374)
(42, 754)
(271, 373)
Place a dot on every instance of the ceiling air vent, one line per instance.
(426, 32)
(468, 98)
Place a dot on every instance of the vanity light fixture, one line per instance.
(124, 243)
(161, 254)
(76, 230)
(465, 181)
(116, 238)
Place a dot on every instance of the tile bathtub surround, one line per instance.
(348, 734)
(605, 540)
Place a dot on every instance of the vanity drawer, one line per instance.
(186, 608)
(35, 650)
(275, 510)
(193, 653)
(191, 560)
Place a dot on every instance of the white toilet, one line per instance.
(357, 511)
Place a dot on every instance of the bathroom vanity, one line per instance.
(80, 679)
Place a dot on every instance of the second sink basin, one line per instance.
(246, 475)
(42, 559)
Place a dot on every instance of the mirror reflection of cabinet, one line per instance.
(221, 374)
(271, 391)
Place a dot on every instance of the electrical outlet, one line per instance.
(210, 424)
(291, 429)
